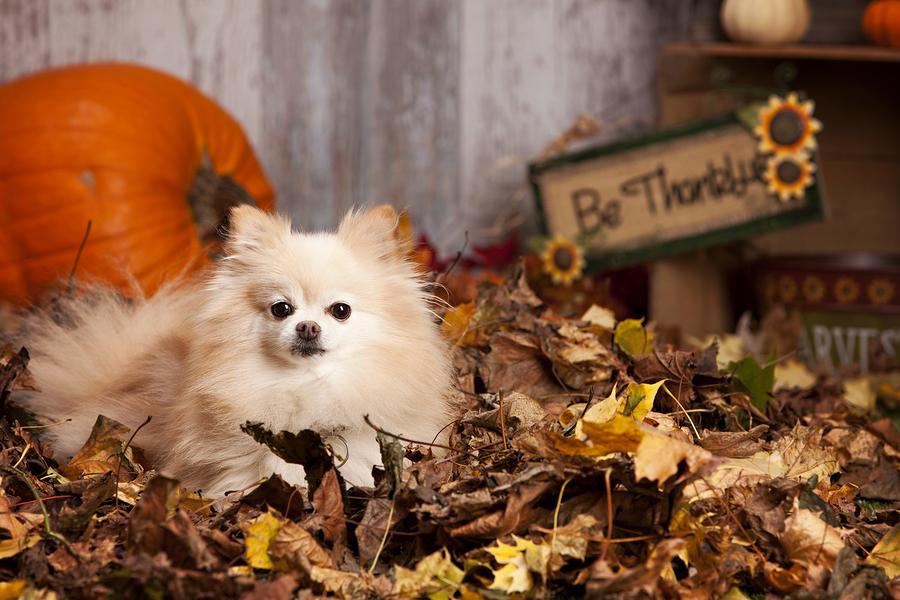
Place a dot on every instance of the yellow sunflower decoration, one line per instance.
(788, 175)
(786, 125)
(563, 260)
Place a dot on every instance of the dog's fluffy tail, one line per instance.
(101, 353)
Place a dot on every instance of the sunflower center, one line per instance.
(563, 259)
(789, 171)
(786, 128)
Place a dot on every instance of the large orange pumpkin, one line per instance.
(881, 23)
(148, 159)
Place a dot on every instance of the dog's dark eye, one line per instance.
(340, 311)
(281, 310)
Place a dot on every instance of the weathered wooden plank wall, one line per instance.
(432, 104)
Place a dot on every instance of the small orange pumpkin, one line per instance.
(148, 159)
(881, 23)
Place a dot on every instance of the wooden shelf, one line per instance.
(789, 52)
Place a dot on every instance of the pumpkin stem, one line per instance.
(211, 198)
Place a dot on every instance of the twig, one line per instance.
(387, 529)
(122, 455)
(601, 538)
(446, 272)
(240, 491)
(468, 452)
(45, 498)
(40, 501)
(401, 438)
(609, 514)
(502, 420)
(691, 421)
(438, 434)
(587, 404)
(556, 512)
(87, 233)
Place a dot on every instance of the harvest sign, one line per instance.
(685, 188)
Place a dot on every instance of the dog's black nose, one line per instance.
(308, 330)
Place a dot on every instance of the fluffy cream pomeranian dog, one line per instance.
(293, 330)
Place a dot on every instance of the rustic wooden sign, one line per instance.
(673, 191)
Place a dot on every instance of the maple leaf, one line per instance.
(886, 553)
(755, 380)
(260, 533)
(793, 374)
(435, 576)
(519, 561)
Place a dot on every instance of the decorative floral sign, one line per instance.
(787, 131)
(697, 185)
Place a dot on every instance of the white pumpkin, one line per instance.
(765, 22)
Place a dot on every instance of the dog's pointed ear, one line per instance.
(250, 228)
(379, 230)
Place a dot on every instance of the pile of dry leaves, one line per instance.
(588, 461)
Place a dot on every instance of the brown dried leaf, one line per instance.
(516, 363)
(158, 500)
(329, 504)
(731, 444)
(658, 456)
(295, 548)
(371, 529)
(102, 452)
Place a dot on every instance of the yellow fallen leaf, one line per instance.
(639, 399)
(636, 402)
(601, 412)
(860, 393)
(621, 434)
(9, 590)
(886, 553)
(633, 338)
(456, 324)
(793, 374)
(258, 537)
(735, 593)
(513, 577)
(435, 576)
(600, 316)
